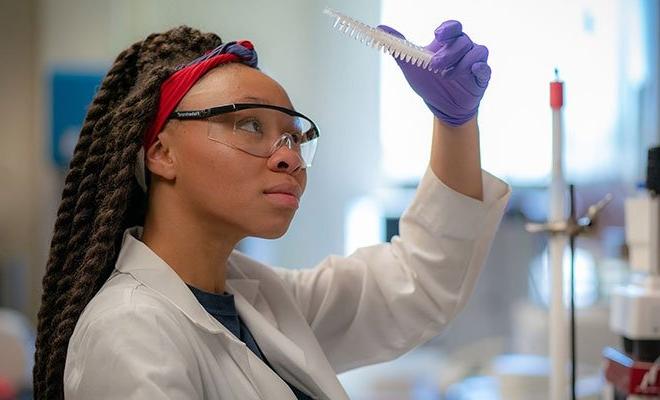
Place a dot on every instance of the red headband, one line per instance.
(180, 82)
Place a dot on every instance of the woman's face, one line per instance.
(220, 186)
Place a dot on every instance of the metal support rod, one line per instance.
(571, 229)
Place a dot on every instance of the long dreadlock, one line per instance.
(101, 197)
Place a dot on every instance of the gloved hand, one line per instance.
(454, 93)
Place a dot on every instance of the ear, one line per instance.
(160, 159)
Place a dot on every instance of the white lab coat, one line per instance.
(145, 336)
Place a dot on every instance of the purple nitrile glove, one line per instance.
(453, 94)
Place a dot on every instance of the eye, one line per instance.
(250, 125)
(295, 133)
(297, 137)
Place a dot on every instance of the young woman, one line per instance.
(188, 148)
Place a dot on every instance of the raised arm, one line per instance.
(384, 300)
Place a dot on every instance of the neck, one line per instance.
(195, 249)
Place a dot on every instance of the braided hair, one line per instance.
(101, 197)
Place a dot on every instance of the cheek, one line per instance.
(217, 180)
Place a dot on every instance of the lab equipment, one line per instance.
(397, 47)
(561, 229)
(571, 228)
(635, 314)
(557, 226)
(558, 334)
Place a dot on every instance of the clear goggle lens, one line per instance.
(262, 131)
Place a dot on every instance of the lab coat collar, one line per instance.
(138, 260)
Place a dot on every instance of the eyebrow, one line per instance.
(252, 99)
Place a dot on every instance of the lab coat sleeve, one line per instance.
(128, 353)
(384, 300)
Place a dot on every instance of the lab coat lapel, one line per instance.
(145, 266)
(138, 260)
(274, 338)
(282, 334)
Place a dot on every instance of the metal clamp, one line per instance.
(571, 227)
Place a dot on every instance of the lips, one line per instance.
(286, 188)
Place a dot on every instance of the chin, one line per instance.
(273, 232)
(272, 235)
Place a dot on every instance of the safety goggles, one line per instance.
(258, 129)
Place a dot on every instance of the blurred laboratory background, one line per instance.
(374, 147)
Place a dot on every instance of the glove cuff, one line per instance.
(452, 120)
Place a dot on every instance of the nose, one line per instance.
(285, 160)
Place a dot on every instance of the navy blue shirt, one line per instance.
(223, 308)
